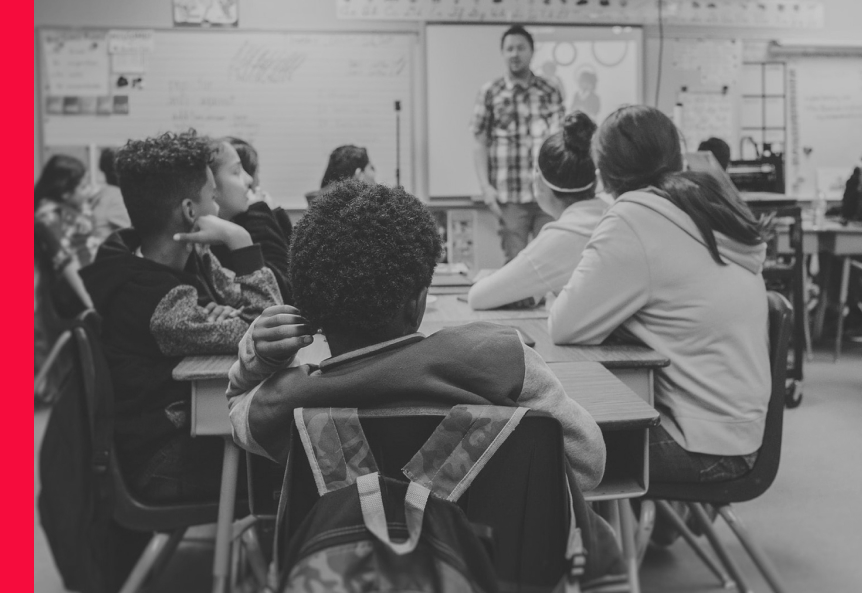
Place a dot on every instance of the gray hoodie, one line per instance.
(647, 269)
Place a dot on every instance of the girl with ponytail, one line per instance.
(676, 263)
(564, 183)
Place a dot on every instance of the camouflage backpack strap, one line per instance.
(335, 444)
(460, 447)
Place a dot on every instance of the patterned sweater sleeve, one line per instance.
(179, 324)
(582, 438)
(245, 378)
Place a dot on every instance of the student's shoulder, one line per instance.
(479, 338)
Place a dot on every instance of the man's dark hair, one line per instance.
(719, 149)
(517, 30)
(106, 165)
(360, 253)
(157, 174)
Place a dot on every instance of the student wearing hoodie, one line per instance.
(163, 296)
(564, 183)
(676, 263)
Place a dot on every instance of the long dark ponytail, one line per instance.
(638, 147)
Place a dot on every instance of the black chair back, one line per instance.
(129, 511)
(520, 494)
(761, 476)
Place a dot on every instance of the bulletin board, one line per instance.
(294, 96)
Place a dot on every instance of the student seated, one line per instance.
(232, 194)
(361, 264)
(63, 231)
(345, 162)
(564, 183)
(676, 263)
(109, 211)
(163, 296)
(719, 149)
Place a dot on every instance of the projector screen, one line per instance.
(461, 58)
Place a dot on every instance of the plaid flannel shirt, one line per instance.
(514, 121)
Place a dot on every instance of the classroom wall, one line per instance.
(843, 18)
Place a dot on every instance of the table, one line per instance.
(633, 364)
(623, 417)
(449, 308)
(842, 241)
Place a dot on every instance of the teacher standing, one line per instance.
(512, 117)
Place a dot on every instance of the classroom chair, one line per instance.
(847, 266)
(519, 499)
(786, 274)
(722, 494)
(167, 522)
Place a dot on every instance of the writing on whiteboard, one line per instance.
(257, 63)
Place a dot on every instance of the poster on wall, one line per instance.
(76, 63)
(206, 13)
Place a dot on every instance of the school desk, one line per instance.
(832, 238)
(632, 364)
(623, 417)
(450, 308)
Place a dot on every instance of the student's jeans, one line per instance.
(187, 469)
(669, 462)
(518, 224)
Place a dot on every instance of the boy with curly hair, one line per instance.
(163, 296)
(361, 264)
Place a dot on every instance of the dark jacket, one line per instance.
(153, 317)
(271, 229)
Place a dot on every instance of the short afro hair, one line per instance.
(157, 174)
(361, 252)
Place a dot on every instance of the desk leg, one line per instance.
(630, 552)
(820, 312)
(227, 500)
(842, 305)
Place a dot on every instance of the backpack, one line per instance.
(370, 533)
(92, 552)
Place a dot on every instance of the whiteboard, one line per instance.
(294, 96)
(461, 58)
(824, 97)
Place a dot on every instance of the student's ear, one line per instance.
(188, 211)
(414, 310)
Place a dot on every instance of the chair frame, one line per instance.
(749, 486)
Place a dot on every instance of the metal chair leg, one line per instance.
(757, 555)
(630, 553)
(668, 513)
(166, 554)
(40, 379)
(706, 526)
(842, 306)
(145, 563)
(646, 523)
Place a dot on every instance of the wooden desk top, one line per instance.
(610, 356)
(448, 308)
(613, 405)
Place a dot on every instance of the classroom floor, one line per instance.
(808, 522)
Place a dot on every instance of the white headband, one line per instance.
(573, 190)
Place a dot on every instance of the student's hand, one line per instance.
(489, 195)
(220, 312)
(280, 332)
(212, 230)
